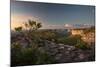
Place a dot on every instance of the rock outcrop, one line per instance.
(66, 53)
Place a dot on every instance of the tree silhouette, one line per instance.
(32, 25)
(18, 29)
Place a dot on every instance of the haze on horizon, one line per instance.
(51, 15)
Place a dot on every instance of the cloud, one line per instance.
(68, 26)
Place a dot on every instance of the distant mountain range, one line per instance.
(69, 26)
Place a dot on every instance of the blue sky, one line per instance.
(52, 14)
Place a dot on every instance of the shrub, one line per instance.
(46, 35)
(30, 56)
(82, 45)
(71, 40)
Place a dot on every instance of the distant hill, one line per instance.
(73, 26)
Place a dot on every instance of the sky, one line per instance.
(51, 15)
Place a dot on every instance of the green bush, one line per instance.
(46, 35)
(71, 40)
(81, 44)
(30, 56)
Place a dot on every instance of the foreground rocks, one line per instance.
(66, 53)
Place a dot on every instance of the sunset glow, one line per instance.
(52, 16)
(19, 20)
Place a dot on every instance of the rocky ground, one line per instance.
(66, 53)
(63, 53)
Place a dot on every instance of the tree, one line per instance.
(32, 25)
(18, 29)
